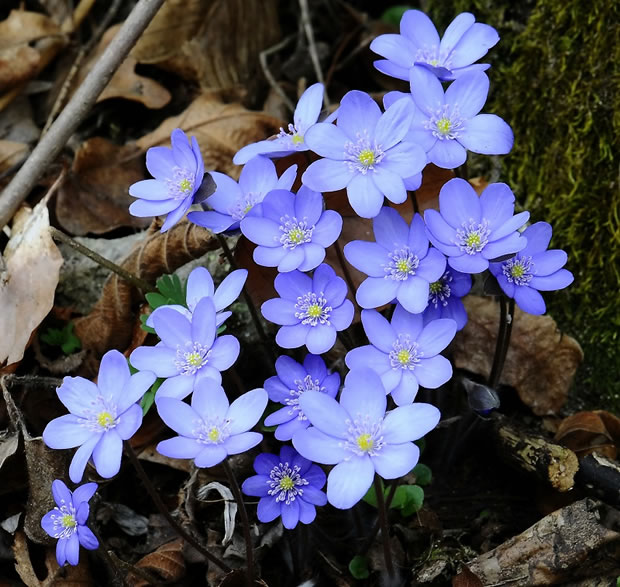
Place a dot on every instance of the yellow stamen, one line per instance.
(105, 419)
(366, 157)
(443, 125)
(286, 483)
(365, 442)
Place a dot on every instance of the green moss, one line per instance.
(553, 81)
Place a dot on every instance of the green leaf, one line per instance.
(423, 474)
(155, 299)
(371, 496)
(143, 319)
(62, 337)
(358, 567)
(149, 397)
(414, 501)
(171, 287)
(394, 14)
(421, 443)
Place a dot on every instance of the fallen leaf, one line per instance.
(230, 506)
(166, 564)
(466, 579)
(125, 82)
(94, 197)
(27, 288)
(11, 153)
(588, 432)
(211, 42)
(540, 363)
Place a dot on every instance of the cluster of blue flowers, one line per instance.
(423, 268)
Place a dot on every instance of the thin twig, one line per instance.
(110, 562)
(314, 55)
(383, 521)
(159, 504)
(262, 58)
(136, 281)
(388, 502)
(31, 380)
(499, 343)
(77, 109)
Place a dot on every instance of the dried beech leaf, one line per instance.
(466, 579)
(221, 129)
(587, 432)
(540, 363)
(166, 563)
(212, 42)
(94, 198)
(110, 324)
(125, 82)
(11, 153)
(27, 288)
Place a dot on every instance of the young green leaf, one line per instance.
(62, 337)
(423, 474)
(358, 567)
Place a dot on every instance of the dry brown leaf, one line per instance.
(466, 579)
(166, 564)
(94, 197)
(587, 432)
(540, 363)
(125, 82)
(110, 324)
(19, 61)
(11, 153)
(221, 129)
(27, 288)
(215, 43)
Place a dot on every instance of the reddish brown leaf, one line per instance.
(587, 432)
(166, 565)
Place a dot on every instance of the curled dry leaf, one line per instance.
(588, 432)
(27, 287)
(540, 363)
(11, 153)
(110, 324)
(215, 43)
(125, 82)
(94, 197)
(166, 564)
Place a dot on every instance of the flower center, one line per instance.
(303, 385)
(294, 232)
(105, 420)
(402, 264)
(313, 309)
(244, 204)
(191, 358)
(101, 417)
(286, 483)
(405, 354)
(439, 291)
(182, 183)
(364, 437)
(293, 139)
(446, 122)
(431, 56)
(472, 237)
(214, 431)
(63, 521)
(363, 155)
(518, 270)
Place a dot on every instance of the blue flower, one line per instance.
(405, 352)
(293, 231)
(102, 415)
(311, 309)
(288, 486)
(232, 202)
(472, 230)
(399, 265)
(306, 114)
(67, 521)
(447, 126)
(189, 350)
(211, 428)
(532, 269)
(292, 381)
(444, 298)
(359, 437)
(464, 42)
(178, 174)
(365, 153)
(200, 285)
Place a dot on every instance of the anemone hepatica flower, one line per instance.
(358, 436)
(404, 353)
(532, 269)
(399, 265)
(232, 202)
(293, 231)
(292, 381)
(178, 174)
(365, 153)
(211, 428)
(444, 298)
(200, 285)
(447, 126)
(310, 309)
(464, 42)
(306, 114)
(102, 415)
(472, 230)
(189, 350)
(67, 521)
(288, 486)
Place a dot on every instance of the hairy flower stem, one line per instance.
(383, 521)
(164, 511)
(136, 281)
(388, 501)
(245, 522)
(506, 314)
(250, 304)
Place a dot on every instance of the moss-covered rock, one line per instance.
(555, 80)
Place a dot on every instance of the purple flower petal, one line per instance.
(320, 339)
(497, 204)
(358, 107)
(175, 215)
(224, 352)
(83, 493)
(280, 311)
(319, 447)
(107, 454)
(558, 280)
(412, 294)
(394, 123)
(257, 486)
(512, 243)
(72, 549)
(487, 134)
(391, 69)
(307, 512)
(390, 185)
(180, 447)
(406, 160)
(368, 257)
(474, 44)
(203, 323)
(177, 415)
(247, 410)
(416, 26)
(418, 241)
(390, 229)
(538, 238)
(210, 456)
(426, 90)
(548, 262)
(77, 395)
(530, 300)
(327, 175)
(376, 291)
(349, 481)
(290, 514)
(447, 154)
(364, 196)
(129, 422)
(327, 140)
(243, 442)
(86, 538)
(325, 413)
(80, 458)
(160, 162)
(363, 394)
(268, 509)
(142, 208)
(433, 372)
(396, 48)
(342, 316)
(291, 337)
(404, 393)
(177, 387)
(456, 29)
(133, 391)
(258, 175)
(113, 374)
(173, 328)
(67, 431)
(328, 228)
(292, 285)
(469, 263)
(395, 460)
(431, 267)
(149, 189)
(379, 331)
(470, 92)
(436, 336)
